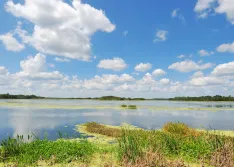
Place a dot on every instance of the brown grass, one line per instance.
(93, 127)
(154, 159)
(224, 157)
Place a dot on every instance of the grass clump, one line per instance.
(180, 129)
(29, 153)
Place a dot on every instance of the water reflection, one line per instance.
(28, 120)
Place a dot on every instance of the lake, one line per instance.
(42, 117)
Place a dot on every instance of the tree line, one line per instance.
(9, 96)
(204, 98)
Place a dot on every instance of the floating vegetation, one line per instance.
(221, 106)
(132, 107)
(128, 106)
(124, 106)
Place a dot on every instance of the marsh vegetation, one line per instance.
(176, 145)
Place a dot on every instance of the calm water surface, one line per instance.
(28, 119)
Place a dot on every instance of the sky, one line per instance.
(87, 48)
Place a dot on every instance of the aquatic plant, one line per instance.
(132, 107)
(129, 106)
(124, 106)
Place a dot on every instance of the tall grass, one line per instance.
(175, 141)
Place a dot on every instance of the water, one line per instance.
(51, 116)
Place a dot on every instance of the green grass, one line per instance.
(23, 152)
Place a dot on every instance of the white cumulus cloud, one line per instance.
(158, 72)
(115, 64)
(188, 66)
(11, 43)
(164, 81)
(224, 69)
(60, 29)
(142, 67)
(226, 48)
(226, 7)
(203, 81)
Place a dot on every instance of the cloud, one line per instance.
(11, 43)
(176, 14)
(205, 53)
(161, 35)
(34, 64)
(142, 67)
(164, 81)
(226, 48)
(198, 74)
(204, 7)
(3, 71)
(224, 69)
(226, 7)
(115, 64)
(58, 59)
(60, 29)
(125, 33)
(188, 66)
(181, 56)
(204, 81)
(158, 72)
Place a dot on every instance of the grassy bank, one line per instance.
(176, 145)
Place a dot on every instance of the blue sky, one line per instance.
(125, 48)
